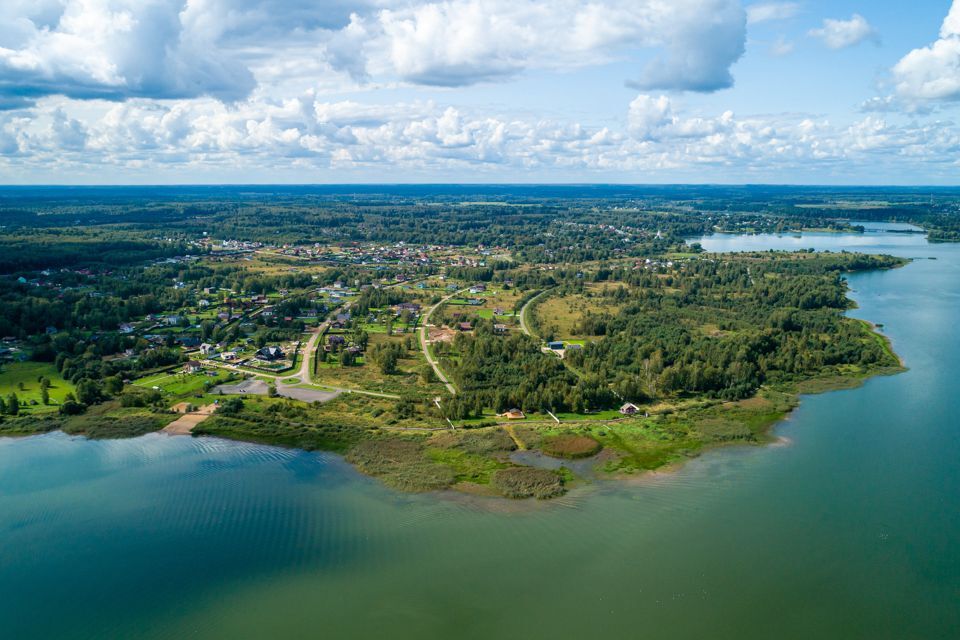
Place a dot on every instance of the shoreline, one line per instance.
(629, 448)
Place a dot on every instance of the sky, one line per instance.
(515, 91)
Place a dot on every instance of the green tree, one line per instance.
(13, 404)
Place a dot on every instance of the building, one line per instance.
(270, 353)
(500, 329)
(465, 326)
(192, 367)
(629, 409)
(208, 349)
(556, 345)
(336, 341)
(513, 414)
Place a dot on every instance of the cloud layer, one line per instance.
(374, 89)
(170, 49)
(316, 139)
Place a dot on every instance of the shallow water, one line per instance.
(848, 532)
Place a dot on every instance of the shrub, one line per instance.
(72, 408)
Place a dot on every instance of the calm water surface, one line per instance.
(849, 532)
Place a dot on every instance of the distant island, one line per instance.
(437, 338)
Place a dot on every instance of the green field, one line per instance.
(177, 383)
(28, 373)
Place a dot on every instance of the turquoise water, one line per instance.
(848, 531)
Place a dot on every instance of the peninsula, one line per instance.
(437, 341)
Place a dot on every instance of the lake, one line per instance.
(849, 531)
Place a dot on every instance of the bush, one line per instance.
(72, 408)
(231, 407)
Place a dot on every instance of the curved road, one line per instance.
(423, 342)
(523, 312)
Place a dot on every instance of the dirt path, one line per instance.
(521, 446)
(184, 425)
(425, 347)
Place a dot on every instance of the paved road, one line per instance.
(523, 313)
(307, 360)
(423, 342)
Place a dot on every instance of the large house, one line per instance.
(513, 414)
(192, 367)
(270, 353)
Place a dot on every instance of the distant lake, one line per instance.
(850, 531)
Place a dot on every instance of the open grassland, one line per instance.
(561, 317)
(28, 374)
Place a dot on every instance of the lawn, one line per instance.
(28, 373)
(177, 383)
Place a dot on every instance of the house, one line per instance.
(498, 312)
(229, 355)
(474, 302)
(336, 341)
(513, 414)
(500, 329)
(629, 409)
(574, 346)
(465, 326)
(126, 327)
(203, 303)
(478, 288)
(556, 345)
(270, 353)
(192, 367)
(172, 320)
(208, 349)
(343, 318)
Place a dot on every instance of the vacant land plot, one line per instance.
(561, 317)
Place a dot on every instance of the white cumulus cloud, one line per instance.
(933, 72)
(840, 34)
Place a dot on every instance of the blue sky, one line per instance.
(638, 91)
